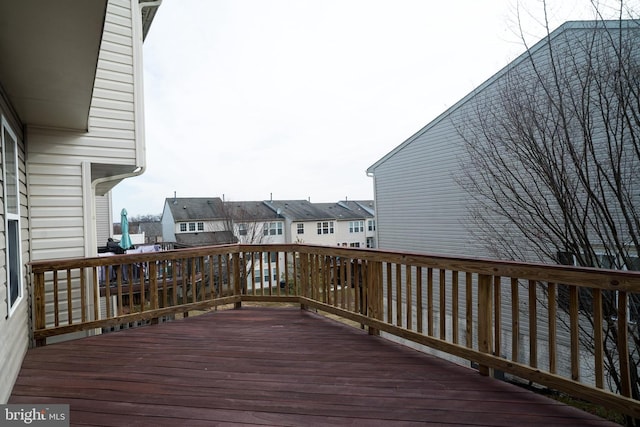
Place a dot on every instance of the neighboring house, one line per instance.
(255, 222)
(351, 225)
(195, 221)
(71, 107)
(420, 204)
(211, 221)
(333, 224)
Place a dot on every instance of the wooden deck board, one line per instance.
(270, 366)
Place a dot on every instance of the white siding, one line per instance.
(104, 219)
(57, 186)
(14, 329)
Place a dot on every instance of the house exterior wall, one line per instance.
(66, 211)
(311, 235)
(14, 326)
(104, 219)
(421, 206)
(59, 164)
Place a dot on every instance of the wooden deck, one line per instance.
(270, 366)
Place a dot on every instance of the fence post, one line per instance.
(485, 311)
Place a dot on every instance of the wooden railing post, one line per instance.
(485, 314)
(304, 277)
(374, 293)
(236, 277)
(39, 321)
(153, 288)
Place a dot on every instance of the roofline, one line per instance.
(569, 25)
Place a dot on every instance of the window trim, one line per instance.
(14, 218)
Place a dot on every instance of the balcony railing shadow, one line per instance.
(570, 329)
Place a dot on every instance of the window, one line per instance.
(370, 243)
(325, 227)
(354, 245)
(242, 229)
(272, 228)
(12, 217)
(270, 257)
(300, 228)
(191, 226)
(356, 226)
(371, 225)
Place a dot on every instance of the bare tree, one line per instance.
(554, 156)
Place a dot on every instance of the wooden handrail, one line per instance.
(523, 319)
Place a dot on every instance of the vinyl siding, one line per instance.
(56, 156)
(14, 329)
(104, 222)
(67, 218)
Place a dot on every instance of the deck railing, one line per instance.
(571, 329)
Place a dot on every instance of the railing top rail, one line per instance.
(580, 276)
(569, 275)
(65, 263)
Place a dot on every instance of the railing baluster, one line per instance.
(69, 298)
(56, 306)
(497, 310)
(107, 291)
(389, 309)
(574, 308)
(398, 295)
(442, 277)
(484, 319)
(96, 293)
(40, 321)
(598, 338)
(83, 296)
(419, 308)
(533, 325)
(552, 310)
(515, 319)
(455, 305)
(469, 309)
(623, 344)
(409, 304)
(430, 301)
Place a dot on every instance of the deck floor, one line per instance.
(270, 366)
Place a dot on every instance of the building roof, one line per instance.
(209, 238)
(365, 207)
(196, 208)
(299, 210)
(250, 211)
(344, 211)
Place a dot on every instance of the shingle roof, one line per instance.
(342, 212)
(249, 211)
(206, 238)
(365, 207)
(196, 208)
(299, 210)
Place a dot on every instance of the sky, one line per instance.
(295, 99)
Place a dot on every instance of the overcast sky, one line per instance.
(295, 99)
